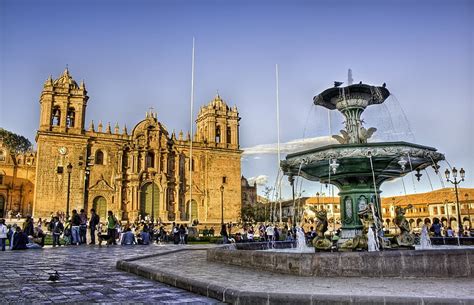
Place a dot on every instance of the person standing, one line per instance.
(3, 234)
(56, 228)
(83, 227)
(93, 223)
(28, 227)
(111, 225)
(75, 227)
(225, 236)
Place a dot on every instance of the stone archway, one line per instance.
(193, 209)
(100, 206)
(149, 199)
(2, 206)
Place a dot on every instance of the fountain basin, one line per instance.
(395, 263)
(354, 161)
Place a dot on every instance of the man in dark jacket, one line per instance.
(56, 228)
(28, 227)
(20, 239)
(93, 223)
(75, 225)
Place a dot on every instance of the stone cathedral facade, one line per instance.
(144, 171)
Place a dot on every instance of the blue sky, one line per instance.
(137, 54)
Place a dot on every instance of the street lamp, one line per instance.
(468, 209)
(222, 205)
(456, 182)
(446, 206)
(69, 171)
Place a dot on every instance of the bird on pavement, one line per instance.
(54, 277)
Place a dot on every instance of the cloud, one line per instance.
(290, 147)
(259, 180)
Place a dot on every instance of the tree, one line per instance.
(14, 143)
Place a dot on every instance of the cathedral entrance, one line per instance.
(193, 209)
(150, 199)
(2, 206)
(100, 207)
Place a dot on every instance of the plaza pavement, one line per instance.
(87, 275)
(239, 285)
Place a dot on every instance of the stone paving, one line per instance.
(87, 275)
(201, 275)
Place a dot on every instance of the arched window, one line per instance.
(150, 159)
(2, 155)
(229, 135)
(56, 118)
(218, 134)
(99, 157)
(71, 114)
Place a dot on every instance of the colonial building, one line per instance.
(17, 177)
(142, 172)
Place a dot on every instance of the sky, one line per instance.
(134, 55)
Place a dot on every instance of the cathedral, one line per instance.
(143, 172)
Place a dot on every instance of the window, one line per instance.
(70, 117)
(1, 178)
(150, 160)
(229, 135)
(56, 118)
(192, 164)
(2, 155)
(218, 134)
(99, 158)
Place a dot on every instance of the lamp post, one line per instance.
(69, 171)
(222, 205)
(446, 206)
(468, 209)
(455, 181)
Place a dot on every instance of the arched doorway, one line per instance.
(2, 206)
(100, 206)
(149, 198)
(193, 209)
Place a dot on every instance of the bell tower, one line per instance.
(63, 105)
(218, 124)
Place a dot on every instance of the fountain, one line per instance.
(358, 168)
(355, 166)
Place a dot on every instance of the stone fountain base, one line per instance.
(394, 263)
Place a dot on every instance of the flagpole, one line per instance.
(278, 136)
(191, 140)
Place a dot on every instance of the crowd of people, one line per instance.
(80, 229)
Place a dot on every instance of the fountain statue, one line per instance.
(405, 238)
(357, 166)
(321, 242)
(425, 241)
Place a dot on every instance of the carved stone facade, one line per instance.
(142, 173)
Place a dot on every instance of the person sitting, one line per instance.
(20, 239)
(144, 237)
(128, 238)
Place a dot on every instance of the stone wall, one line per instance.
(398, 263)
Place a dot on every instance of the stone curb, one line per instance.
(243, 297)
